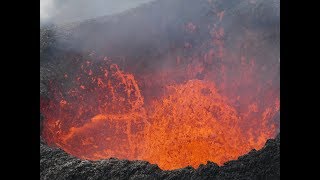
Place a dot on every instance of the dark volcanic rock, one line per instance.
(261, 164)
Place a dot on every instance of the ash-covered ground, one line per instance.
(149, 32)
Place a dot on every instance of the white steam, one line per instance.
(64, 11)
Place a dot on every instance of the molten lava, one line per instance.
(101, 116)
(101, 113)
(193, 125)
(209, 103)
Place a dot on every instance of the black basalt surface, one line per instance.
(261, 164)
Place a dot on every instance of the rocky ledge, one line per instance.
(261, 164)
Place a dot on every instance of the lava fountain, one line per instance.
(194, 124)
(100, 112)
(209, 100)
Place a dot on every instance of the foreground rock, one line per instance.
(261, 164)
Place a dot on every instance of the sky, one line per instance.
(64, 11)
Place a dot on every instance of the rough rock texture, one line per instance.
(261, 164)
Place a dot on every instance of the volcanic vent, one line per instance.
(209, 93)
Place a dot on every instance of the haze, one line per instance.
(64, 11)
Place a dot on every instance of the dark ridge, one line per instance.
(261, 164)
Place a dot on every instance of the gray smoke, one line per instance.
(65, 11)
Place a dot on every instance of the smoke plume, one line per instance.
(62, 11)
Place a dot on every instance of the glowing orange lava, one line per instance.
(193, 125)
(212, 101)
(103, 114)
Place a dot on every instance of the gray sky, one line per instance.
(62, 11)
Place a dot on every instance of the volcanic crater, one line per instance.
(175, 83)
